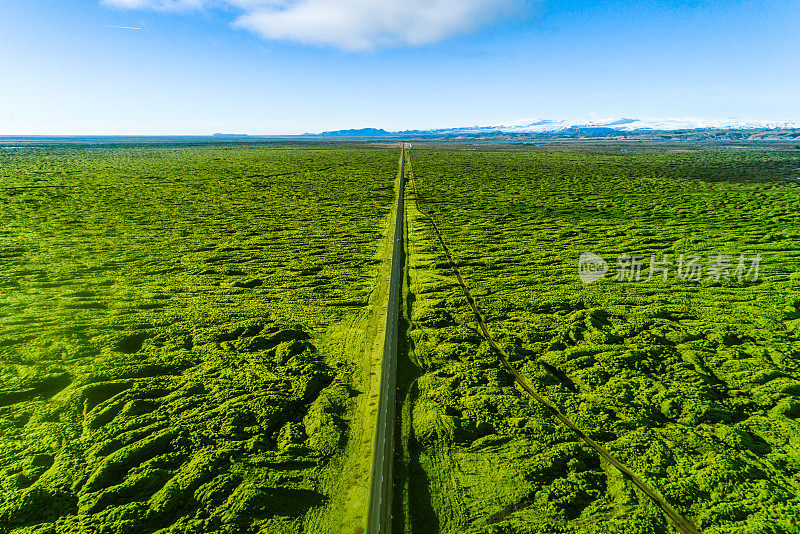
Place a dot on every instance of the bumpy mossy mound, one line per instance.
(694, 385)
(165, 361)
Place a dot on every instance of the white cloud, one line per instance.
(350, 24)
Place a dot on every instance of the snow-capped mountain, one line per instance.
(630, 125)
(579, 127)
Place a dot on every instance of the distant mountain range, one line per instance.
(590, 128)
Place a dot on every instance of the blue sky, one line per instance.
(294, 66)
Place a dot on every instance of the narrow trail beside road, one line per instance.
(683, 525)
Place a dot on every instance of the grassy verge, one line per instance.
(364, 341)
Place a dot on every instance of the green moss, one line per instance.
(164, 323)
(681, 381)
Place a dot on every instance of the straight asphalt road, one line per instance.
(379, 518)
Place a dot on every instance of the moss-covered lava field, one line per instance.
(694, 384)
(188, 333)
(171, 331)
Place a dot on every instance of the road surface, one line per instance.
(379, 518)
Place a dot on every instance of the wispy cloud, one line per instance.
(123, 27)
(353, 25)
(160, 5)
